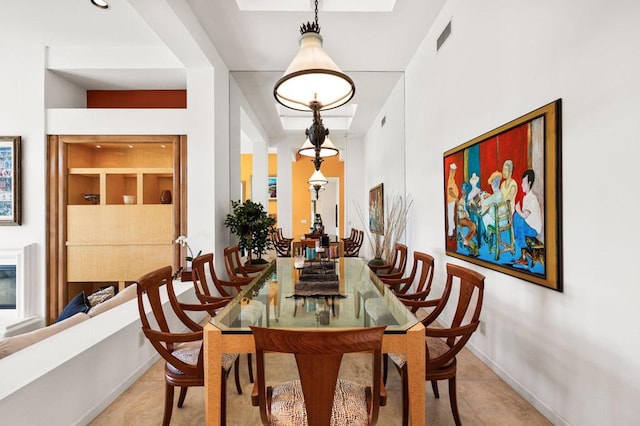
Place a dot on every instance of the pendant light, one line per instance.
(313, 82)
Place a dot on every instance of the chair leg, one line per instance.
(434, 386)
(453, 400)
(168, 404)
(183, 394)
(250, 368)
(236, 373)
(385, 368)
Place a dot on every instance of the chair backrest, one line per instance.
(159, 334)
(318, 356)
(199, 267)
(232, 262)
(353, 247)
(466, 317)
(422, 262)
(235, 269)
(399, 261)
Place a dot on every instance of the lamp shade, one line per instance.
(317, 178)
(327, 149)
(312, 76)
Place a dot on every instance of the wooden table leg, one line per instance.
(212, 374)
(416, 366)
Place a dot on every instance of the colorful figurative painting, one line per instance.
(376, 209)
(502, 198)
(9, 180)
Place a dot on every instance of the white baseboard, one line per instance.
(518, 387)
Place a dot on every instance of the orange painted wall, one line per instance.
(136, 98)
(246, 170)
(272, 209)
(301, 171)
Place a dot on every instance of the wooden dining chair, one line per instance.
(199, 267)
(397, 266)
(352, 247)
(226, 288)
(443, 344)
(320, 397)
(182, 352)
(419, 280)
(236, 271)
(420, 283)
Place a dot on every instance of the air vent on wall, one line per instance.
(443, 36)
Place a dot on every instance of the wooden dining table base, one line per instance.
(216, 343)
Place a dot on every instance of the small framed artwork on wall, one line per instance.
(10, 189)
(273, 188)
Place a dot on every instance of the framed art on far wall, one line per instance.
(376, 209)
(10, 190)
(502, 198)
(273, 188)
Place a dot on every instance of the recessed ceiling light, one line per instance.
(102, 4)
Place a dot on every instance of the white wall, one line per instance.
(384, 157)
(572, 354)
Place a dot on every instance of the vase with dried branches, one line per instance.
(392, 222)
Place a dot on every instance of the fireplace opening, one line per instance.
(7, 286)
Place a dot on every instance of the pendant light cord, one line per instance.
(316, 11)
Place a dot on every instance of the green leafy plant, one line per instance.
(252, 225)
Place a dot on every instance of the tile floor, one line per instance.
(483, 398)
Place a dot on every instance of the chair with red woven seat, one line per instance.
(320, 397)
(236, 271)
(182, 352)
(443, 344)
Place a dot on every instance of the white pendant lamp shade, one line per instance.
(317, 178)
(327, 149)
(311, 77)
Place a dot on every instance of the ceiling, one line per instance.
(374, 48)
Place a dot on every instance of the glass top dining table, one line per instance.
(275, 299)
(278, 298)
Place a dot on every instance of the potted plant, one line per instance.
(253, 227)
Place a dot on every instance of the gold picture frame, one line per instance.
(10, 180)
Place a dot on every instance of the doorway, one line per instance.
(328, 206)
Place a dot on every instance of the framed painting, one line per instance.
(273, 188)
(502, 198)
(10, 190)
(376, 209)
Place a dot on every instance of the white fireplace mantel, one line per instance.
(26, 315)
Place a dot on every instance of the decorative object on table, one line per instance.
(165, 197)
(10, 182)
(503, 198)
(272, 185)
(92, 198)
(250, 222)
(392, 221)
(129, 199)
(185, 272)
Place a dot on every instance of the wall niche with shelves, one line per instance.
(107, 195)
